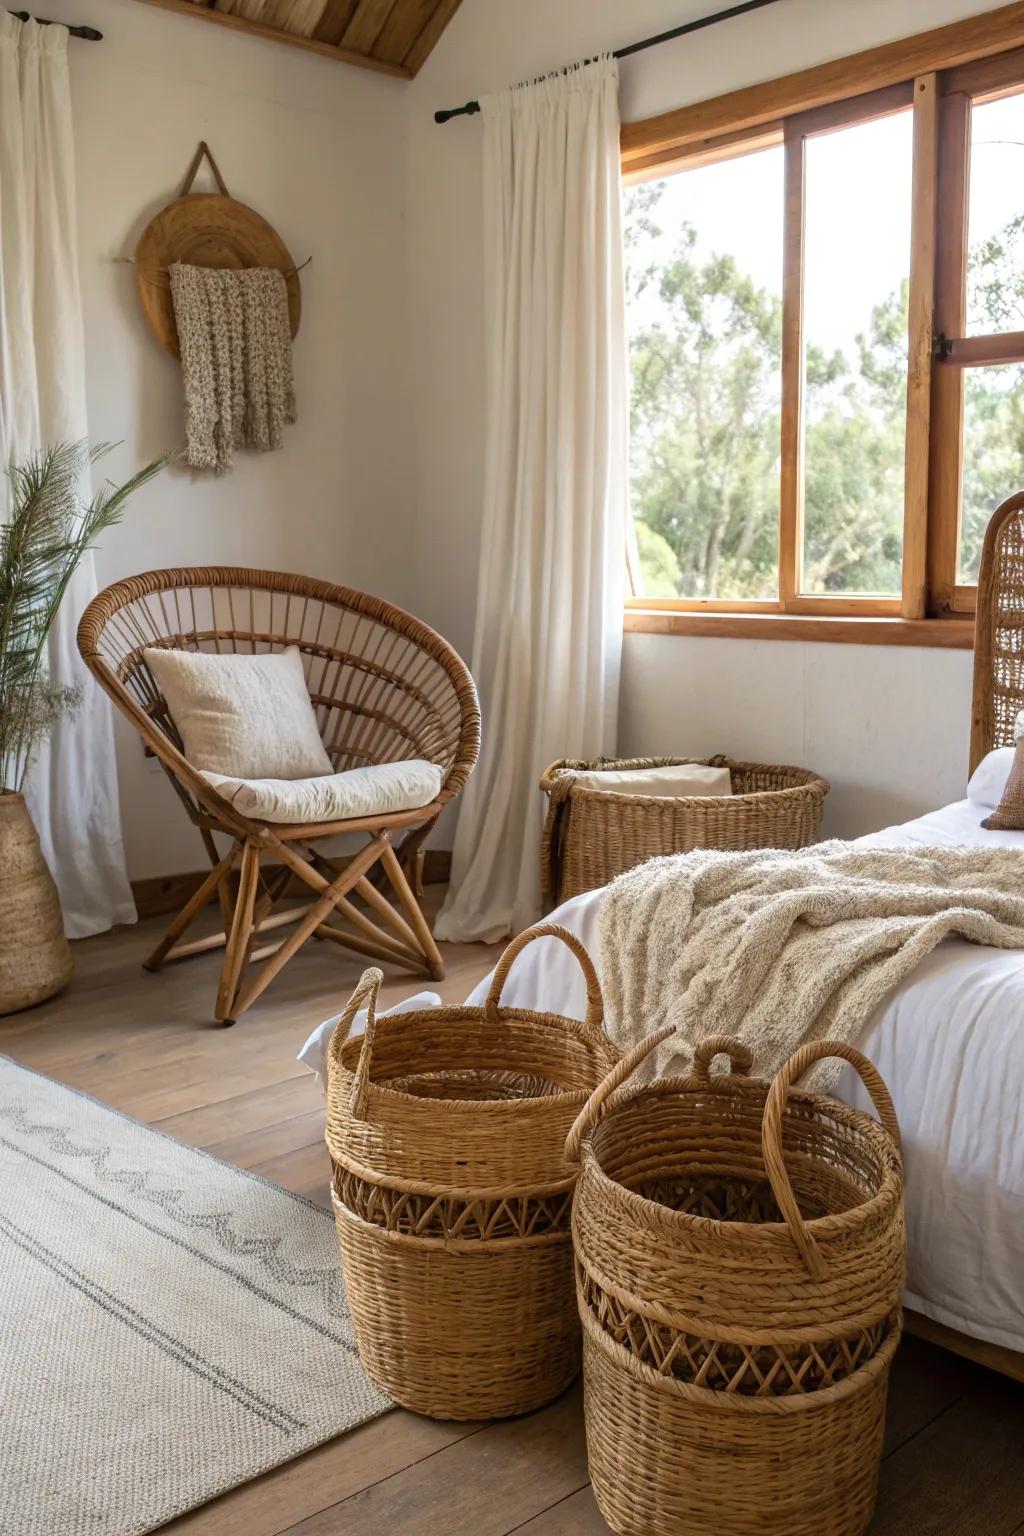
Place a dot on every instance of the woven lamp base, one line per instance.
(35, 958)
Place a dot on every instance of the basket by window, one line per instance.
(452, 1196)
(740, 1257)
(592, 835)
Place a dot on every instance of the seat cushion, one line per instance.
(248, 717)
(376, 790)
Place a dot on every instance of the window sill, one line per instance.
(948, 634)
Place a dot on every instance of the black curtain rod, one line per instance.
(648, 42)
(89, 34)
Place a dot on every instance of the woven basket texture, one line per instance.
(740, 1255)
(592, 835)
(452, 1195)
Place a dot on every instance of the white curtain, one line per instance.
(72, 789)
(549, 604)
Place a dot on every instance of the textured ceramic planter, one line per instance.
(35, 958)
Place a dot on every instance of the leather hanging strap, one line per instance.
(201, 154)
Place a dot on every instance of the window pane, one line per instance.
(704, 273)
(995, 268)
(856, 279)
(993, 452)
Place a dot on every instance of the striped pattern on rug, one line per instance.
(172, 1326)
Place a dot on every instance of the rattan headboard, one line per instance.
(999, 634)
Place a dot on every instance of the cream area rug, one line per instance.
(170, 1326)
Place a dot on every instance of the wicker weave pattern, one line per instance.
(999, 632)
(671, 1460)
(384, 687)
(453, 1212)
(590, 836)
(740, 1261)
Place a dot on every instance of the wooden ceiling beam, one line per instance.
(275, 35)
(367, 24)
(424, 44)
(336, 16)
(402, 29)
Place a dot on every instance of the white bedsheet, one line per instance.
(950, 1044)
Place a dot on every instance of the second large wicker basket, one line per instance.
(592, 835)
(739, 1261)
(452, 1196)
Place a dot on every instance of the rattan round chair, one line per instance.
(384, 686)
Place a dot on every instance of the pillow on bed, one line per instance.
(1008, 815)
(988, 781)
(248, 717)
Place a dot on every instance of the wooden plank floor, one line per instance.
(954, 1463)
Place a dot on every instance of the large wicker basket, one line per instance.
(452, 1195)
(739, 1261)
(592, 835)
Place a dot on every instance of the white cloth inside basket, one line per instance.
(679, 779)
(314, 1053)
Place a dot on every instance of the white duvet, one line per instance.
(950, 1044)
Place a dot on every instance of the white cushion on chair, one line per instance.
(249, 717)
(376, 790)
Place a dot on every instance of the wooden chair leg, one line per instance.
(330, 895)
(224, 889)
(216, 880)
(414, 912)
(241, 934)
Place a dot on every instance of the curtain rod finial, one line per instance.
(448, 112)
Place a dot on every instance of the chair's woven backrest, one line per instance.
(999, 632)
(384, 685)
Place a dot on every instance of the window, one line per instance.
(978, 401)
(826, 324)
(704, 269)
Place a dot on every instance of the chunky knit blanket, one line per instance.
(783, 947)
(236, 360)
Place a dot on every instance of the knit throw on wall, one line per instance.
(236, 360)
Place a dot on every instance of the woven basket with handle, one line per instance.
(452, 1196)
(739, 1265)
(592, 835)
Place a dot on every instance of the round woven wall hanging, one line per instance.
(205, 229)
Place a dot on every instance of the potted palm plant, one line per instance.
(48, 531)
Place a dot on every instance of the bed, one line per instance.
(949, 1041)
(950, 1044)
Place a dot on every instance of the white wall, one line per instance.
(317, 149)
(888, 726)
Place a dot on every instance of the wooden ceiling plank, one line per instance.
(367, 24)
(250, 10)
(298, 16)
(273, 34)
(336, 17)
(402, 28)
(425, 43)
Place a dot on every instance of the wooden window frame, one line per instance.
(936, 75)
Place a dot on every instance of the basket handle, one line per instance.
(771, 1134)
(367, 991)
(596, 1107)
(741, 1057)
(595, 1002)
